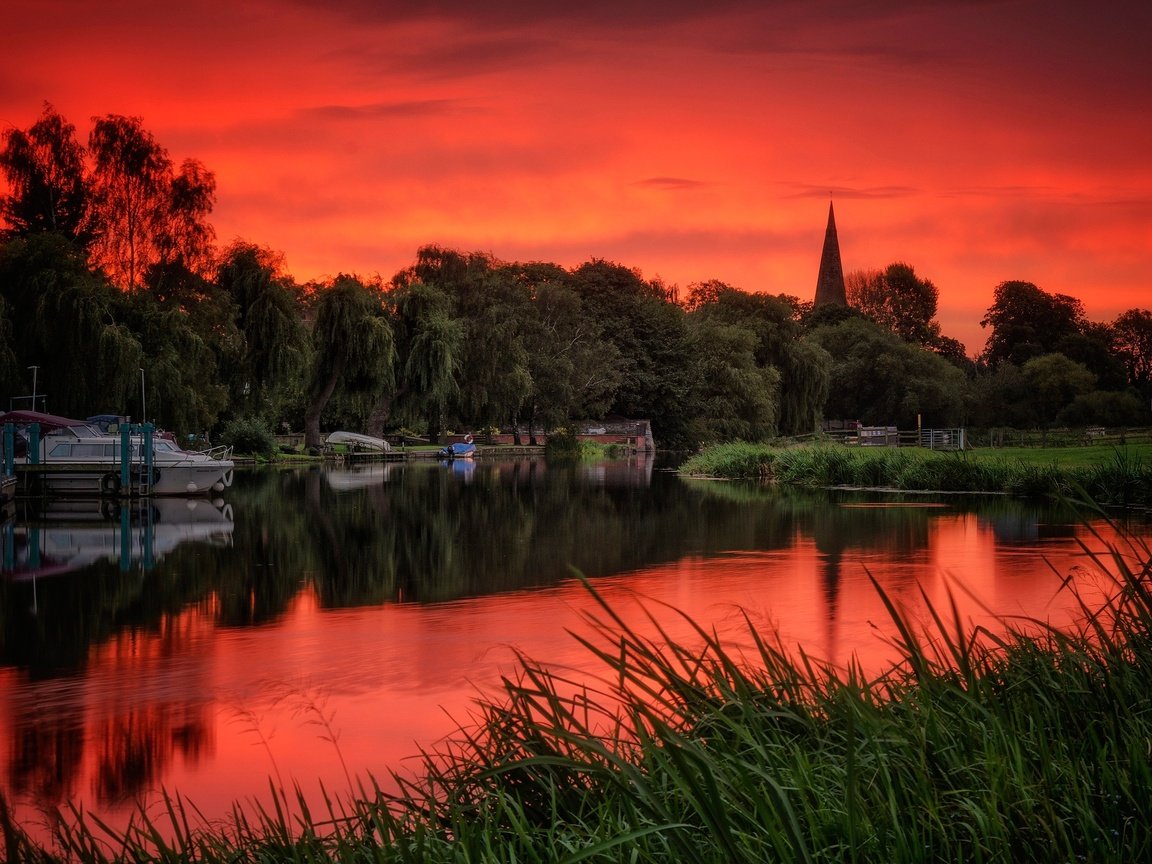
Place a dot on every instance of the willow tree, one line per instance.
(269, 318)
(803, 367)
(734, 398)
(354, 349)
(75, 327)
(429, 339)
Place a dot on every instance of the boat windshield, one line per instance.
(85, 432)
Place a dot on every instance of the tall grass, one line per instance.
(1121, 480)
(1026, 744)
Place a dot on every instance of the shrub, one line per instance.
(250, 436)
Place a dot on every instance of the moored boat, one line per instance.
(465, 449)
(73, 456)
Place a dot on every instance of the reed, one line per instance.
(1123, 479)
(1026, 744)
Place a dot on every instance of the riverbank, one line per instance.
(1025, 747)
(1120, 476)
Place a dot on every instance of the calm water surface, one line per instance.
(320, 625)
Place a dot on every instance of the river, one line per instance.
(321, 625)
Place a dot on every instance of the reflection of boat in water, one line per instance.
(356, 441)
(78, 457)
(359, 476)
(65, 536)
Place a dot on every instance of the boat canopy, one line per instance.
(46, 421)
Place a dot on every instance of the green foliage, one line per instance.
(898, 300)
(1100, 408)
(267, 315)
(563, 445)
(1123, 479)
(249, 436)
(801, 368)
(354, 349)
(1053, 382)
(734, 397)
(1027, 322)
(881, 380)
(651, 337)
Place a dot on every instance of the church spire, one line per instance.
(830, 282)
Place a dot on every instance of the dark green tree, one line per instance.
(775, 321)
(1132, 334)
(268, 316)
(1053, 382)
(428, 344)
(880, 379)
(74, 326)
(651, 335)
(184, 391)
(353, 346)
(735, 397)
(1027, 322)
(574, 370)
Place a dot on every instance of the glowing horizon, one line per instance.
(978, 142)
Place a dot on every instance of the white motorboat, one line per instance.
(76, 457)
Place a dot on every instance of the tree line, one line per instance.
(109, 265)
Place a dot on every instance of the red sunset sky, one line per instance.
(978, 141)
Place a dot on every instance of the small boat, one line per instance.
(77, 457)
(354, 440)
(460, 450)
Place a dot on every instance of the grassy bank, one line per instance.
(1027, 747)
(1114, 476)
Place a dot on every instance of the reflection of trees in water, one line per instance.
(46, 755)
(420, 533)
(425, 537)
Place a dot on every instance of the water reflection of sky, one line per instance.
(191, 698)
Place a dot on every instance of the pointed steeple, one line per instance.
(830, 282)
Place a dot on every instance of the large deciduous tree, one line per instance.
(1132, 334)
(1054, 381)
(651, 335)
(73, 326)
(898, 299)
(801, 386)
(1027, 322)
(142, 212)
(44, 167)
(735, 398)
(880, 379)
(574, 370)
